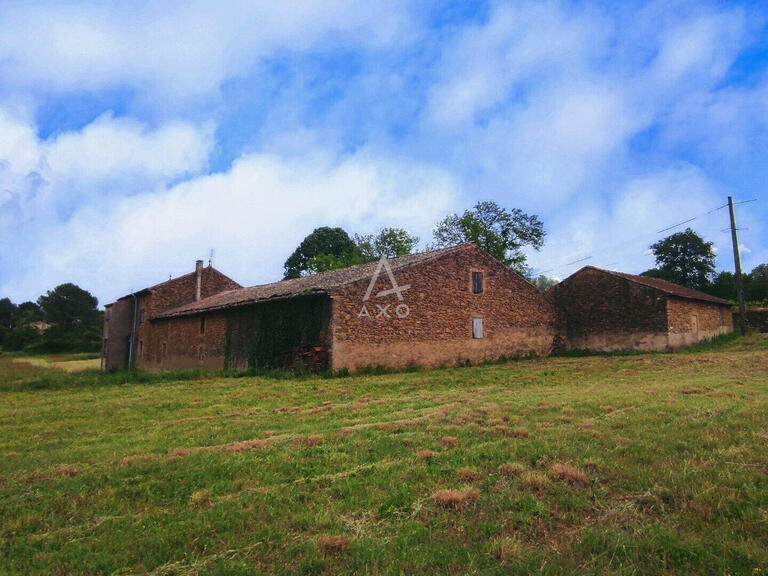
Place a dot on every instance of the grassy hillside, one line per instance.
(625, 464)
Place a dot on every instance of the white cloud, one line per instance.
(110, 147)
(170, 49)
(616, 233)
(254, 215)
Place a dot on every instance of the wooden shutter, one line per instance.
(477, 328)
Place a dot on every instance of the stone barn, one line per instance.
(127, 326)
(440, 307)
(603, 310)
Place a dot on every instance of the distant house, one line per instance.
(39, 326)
(445, 306)
(604, 310)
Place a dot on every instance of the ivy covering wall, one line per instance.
(275, 334)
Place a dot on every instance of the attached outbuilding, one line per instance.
(602, 310)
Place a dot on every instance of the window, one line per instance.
(165, 349)
(477, 282)
(107, 314)
(106, 347)
(141, 349)
(477, 327)
(202, 324)
(200, 353)
(141, 316)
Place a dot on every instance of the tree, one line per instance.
(8, 313)
(500, 232)
(684, 258)
(30, 312)
(389, 242)
(69, 307)
(543, 283)
(322, 241)
(757, 288)
(723, 286)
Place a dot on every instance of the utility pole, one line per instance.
(737, 263)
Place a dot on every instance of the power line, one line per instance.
(639, 237)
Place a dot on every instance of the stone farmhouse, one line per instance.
(446, 306)
(442, 307)
(603, 310)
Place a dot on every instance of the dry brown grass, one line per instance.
(244, 446)
(312, 439)
(455, 499)
(449, 441)
(467, 474)
(425, 454)
(65, 471)
(569, 474)
(200, 499)
(328, 544)
(535, 481)
(588, 424)
(512, 469)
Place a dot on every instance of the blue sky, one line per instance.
(136, 137)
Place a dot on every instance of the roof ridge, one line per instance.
(319, 282)
(666, 286)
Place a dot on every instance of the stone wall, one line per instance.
(691, 321)
(165, 296)
(433, 324)
(183, 343)
(601, 312)
(118, 318)
(757, 319)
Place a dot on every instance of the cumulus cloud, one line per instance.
(253, 215)
(169, 49)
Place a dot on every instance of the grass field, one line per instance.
(625, 464)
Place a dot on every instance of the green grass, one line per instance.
(625, 464)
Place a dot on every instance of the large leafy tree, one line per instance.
(500, 232)
(325, 245)
(389, 242)
(684, 258)
(70, 307)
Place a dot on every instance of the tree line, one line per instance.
(65, 319)
(501, 232)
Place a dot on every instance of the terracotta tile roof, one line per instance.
(317, 283)
(664, 286)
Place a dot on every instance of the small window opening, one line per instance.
(477, 282)
(200, 353)
(141, 316)
(141, 349)
(165, 349)
(202, 324)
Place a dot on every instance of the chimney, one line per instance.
(198, 279)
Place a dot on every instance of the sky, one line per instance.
(137, 137)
